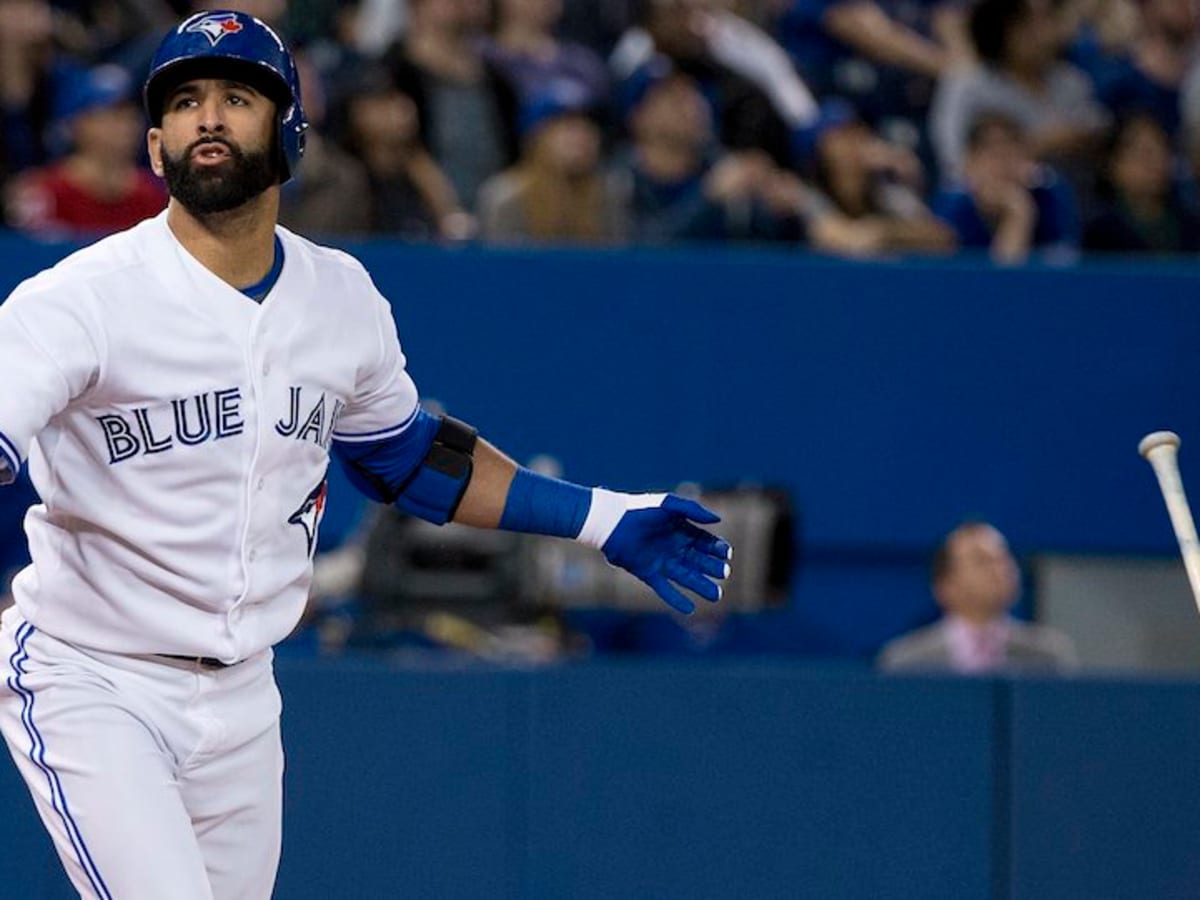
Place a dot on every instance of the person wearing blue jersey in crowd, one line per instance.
(1008, 203)
(685, 185)
(1147, 75)
(883, 55)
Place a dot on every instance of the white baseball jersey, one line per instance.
(178, 435)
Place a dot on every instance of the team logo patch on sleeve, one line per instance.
(217, 26)
(308, 516)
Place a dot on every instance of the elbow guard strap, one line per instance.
(435, 489)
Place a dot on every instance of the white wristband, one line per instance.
(606, 511)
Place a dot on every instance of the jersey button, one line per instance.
(262, 483)
(252, 555)
(266, 368)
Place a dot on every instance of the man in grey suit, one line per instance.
(976, 581)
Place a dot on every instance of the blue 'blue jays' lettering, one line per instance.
(317, 426)
(209, 416)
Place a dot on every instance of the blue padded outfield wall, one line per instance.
(717, 781)
(893, 399)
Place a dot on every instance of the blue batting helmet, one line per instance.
(237, 46)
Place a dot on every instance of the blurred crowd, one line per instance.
(1023, 129)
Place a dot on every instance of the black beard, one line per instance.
(204, 191)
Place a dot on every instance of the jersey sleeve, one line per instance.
(48, 357)
(385, 398)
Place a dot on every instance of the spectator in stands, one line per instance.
(330, 194)
(976, 581)
(1008, 203)
(1147, 75)
(337, 55)
(685, 186)
(1018, 42)
(696, 42)
(377, 24)
(465, 107)
(883, 56)
(558, 191)
(700, 30)
(525, 47)
(26, 54)
(1142, 211)
(410, 195)
(99, 187)
(875, 183)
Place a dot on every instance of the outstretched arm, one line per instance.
(483, 504)
(656, 537)
(449, 474)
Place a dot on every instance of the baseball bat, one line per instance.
(1161, 450)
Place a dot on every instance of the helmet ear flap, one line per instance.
(235, 45)
(292, 136)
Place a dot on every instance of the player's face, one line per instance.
(216, 145)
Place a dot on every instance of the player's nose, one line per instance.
(212, 115)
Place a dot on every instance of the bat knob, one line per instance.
(1157, 439)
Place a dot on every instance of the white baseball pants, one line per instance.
(157, 779)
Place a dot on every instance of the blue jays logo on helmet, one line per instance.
(216, 26)
(237, 46)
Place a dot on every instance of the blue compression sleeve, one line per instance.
(380, 468)
(540, 505)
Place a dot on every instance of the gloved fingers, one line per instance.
(708, 543)
(693, 581)
(690, 509)
(713, 566)
(670, 595)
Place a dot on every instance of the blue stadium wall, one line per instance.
(716, 781)
(892, 399)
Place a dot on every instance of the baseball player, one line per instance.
(177, 390)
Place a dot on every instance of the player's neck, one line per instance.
(238, 246)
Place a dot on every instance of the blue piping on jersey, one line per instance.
(37, 755)
(9, 449)
(390, 431)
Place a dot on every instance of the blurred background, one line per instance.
(896, 286)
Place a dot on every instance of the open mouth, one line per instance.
(211, 153)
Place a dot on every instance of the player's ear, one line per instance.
(154, 149)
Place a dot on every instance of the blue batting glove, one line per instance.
(654, 536)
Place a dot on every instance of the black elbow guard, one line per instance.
(435, 489)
